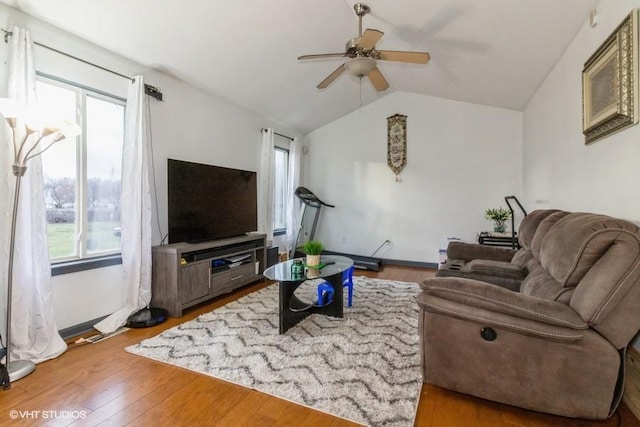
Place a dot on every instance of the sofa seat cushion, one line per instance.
(540, 284)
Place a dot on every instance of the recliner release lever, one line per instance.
(488, 334)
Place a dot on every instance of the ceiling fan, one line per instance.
(363, 55)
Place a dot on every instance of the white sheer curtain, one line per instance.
(135, 218)
(34, 334)
(293, 204)
(265, 185)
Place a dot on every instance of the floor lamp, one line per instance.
(39, 136)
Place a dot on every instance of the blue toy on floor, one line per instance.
(325, 290)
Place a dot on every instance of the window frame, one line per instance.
(82, 260)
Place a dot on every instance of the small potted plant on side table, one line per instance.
(499, 216)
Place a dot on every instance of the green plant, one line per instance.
(499, 215)
(312, 247)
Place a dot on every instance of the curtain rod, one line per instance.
(279, 134)
(149, 90)
(7, 34)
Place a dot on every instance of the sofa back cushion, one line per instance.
(542, 230)
(531, 260)
(575, 243)
(598, 257)
(529, 226)
(526, 232)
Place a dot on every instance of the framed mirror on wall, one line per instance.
(610, 83)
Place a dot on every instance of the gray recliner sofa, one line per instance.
(557, 343)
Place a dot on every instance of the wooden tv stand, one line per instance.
(186, 274)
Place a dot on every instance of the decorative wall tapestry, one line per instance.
(610, 84)
(397, 143)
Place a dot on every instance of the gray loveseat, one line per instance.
(554, 341)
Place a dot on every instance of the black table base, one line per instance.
(293, 310)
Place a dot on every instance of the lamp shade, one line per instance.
(66, 128)
(11, 109)
(36, 118)
(360, 66)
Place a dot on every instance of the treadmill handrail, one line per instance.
(308, 198)
(514, 240)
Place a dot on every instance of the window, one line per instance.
(82, 177)
(280, 190)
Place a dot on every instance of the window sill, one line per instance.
(67, 267)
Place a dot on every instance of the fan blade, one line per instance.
(403, 56)
(377, 80)
(331, 77)
(370, 38)
(322, 55)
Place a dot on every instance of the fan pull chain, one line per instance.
(361, 91)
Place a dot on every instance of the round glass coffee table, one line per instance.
(292, 309)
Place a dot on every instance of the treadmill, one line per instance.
(310, 200)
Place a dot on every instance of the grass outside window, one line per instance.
(101, 234)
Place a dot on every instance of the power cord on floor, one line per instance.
(386, 242)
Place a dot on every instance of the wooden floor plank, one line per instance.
(168, 384)
(115, 388)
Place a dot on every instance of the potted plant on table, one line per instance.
(312, 249)
(499, 216)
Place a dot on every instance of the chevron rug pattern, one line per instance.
(364, 367)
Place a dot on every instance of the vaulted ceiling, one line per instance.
(491, 52)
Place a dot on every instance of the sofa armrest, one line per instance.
(490, 267)
(470, 251)
(491, 305)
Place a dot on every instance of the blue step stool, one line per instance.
(325, 290)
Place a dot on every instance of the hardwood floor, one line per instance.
(101, 384)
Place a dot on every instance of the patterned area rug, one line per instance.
(364, 368)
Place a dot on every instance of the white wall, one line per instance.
(189, 125)
(559, 170)
(462, 159)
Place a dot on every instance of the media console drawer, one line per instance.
(233, 278)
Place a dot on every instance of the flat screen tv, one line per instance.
(210, 202)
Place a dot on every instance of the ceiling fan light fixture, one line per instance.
(360, 66)
(364, 56)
